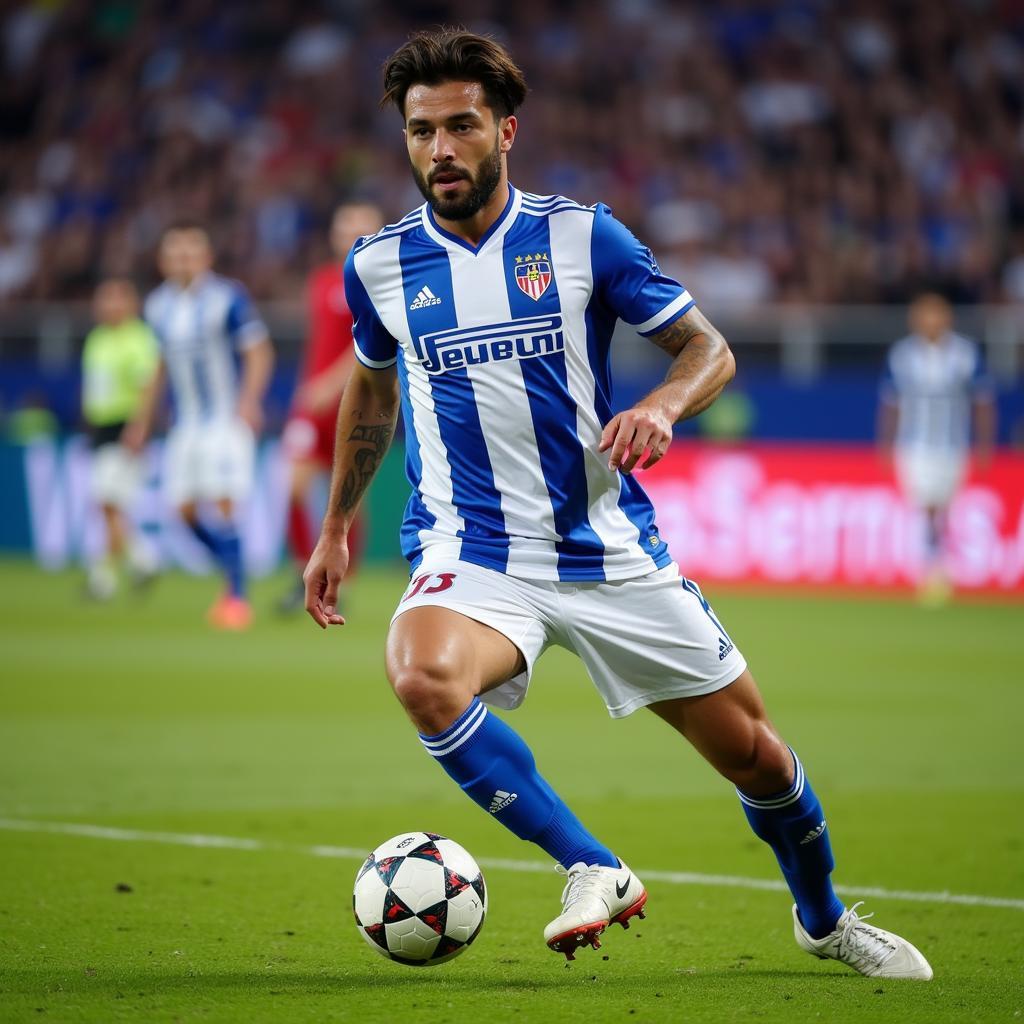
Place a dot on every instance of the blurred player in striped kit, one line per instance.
(934, 381)
(309, 434)
(203, 322)
(118, 362)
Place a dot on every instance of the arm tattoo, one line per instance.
(700, 368)
(674, 337)
(373, 442)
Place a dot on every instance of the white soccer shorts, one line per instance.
(117, 475)
(209, 462)
(642, 640)
(930, 479)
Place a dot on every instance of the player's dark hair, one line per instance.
(186, 224)
(937, 294)
(454, 55)
(120, 280)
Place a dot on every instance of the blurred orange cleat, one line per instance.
(232, 613)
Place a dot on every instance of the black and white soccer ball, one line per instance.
(419, 899)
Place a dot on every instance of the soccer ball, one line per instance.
(419, 899)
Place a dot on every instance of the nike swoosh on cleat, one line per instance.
(620, 890)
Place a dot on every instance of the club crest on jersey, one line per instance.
(533, 274)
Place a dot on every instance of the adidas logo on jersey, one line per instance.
(815, 833)
(725, 646)
(501, 800)
(424, 297)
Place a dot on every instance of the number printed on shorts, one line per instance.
(444, 581)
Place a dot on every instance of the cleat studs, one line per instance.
(641, 914)
(625, 925)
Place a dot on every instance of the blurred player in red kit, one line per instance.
(309, 433)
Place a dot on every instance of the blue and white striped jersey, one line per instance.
(199, 329)
(503, 360)
(933, 386)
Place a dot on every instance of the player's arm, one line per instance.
(137, 432)
(885, 426)
(888, 415)
(251, 339)
(702, 365)
(985, 419)
(323, 391)
(257, 367)
(366, 425)
(88, 375)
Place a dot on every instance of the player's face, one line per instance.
(114, 302)
(456, 146)
(931, 317)
(185, 254)
(350, 222)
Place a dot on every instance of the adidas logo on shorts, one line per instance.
(501, 800)
(424, 297)
(725, 646)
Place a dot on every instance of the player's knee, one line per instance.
(431, 696)
(766, 765)
(413, 687)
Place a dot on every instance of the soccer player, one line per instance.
(118, 362)
(933, 380)
(487, 315)
(201, 321)
(309, 433)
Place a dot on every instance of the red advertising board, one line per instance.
(829, 515)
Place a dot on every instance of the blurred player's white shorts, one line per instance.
(209, 462)
(117, 475)
(642, 640)
(929, 479)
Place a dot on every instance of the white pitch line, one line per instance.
(197, 840)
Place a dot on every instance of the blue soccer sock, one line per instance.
(496, 769)
(933, 528)
(792, 823)
(223, 542)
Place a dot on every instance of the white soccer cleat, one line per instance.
(869, 950)
(593, 898)
(101, 582)
(143, 566)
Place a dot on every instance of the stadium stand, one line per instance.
(788, 151)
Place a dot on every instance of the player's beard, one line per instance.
(481, 188)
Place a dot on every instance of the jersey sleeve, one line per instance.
(147, 354)
(151, 318)
(629, 280)
(243, 324)
(373, 345)
(887, 387)
(89, 367)
(981, 383)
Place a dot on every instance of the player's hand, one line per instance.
(318, 395)
(631, 433)
(251, 412)
(322, 578)
(133, 436)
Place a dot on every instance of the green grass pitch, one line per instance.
(135, 717)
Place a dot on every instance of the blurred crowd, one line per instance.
(797, 150)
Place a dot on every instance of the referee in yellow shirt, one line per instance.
(118, 361)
